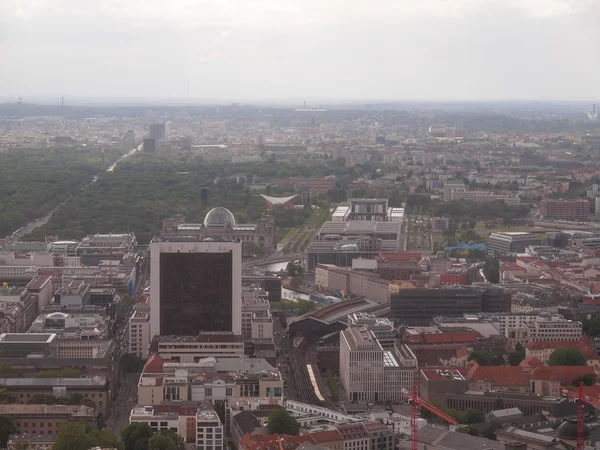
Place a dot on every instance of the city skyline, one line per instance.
(247, 51)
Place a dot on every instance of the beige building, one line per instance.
(186, 349)
(139, 333)
(220, 223)
(209, 379)
(45, 419)
(95, 388)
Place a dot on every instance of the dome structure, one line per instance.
(219, 217)
(568, 430)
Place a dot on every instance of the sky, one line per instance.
(313, 50)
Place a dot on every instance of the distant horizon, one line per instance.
(298, 103)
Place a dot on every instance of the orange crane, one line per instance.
(416, 402)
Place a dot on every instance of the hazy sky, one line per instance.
(301, 49)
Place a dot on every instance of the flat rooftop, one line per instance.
(27, 337)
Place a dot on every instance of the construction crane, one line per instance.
(416, 402)
(580, 398)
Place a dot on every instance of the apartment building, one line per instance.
(195, 422)
(572, 209)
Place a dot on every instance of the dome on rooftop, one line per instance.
(568, 430)
(219, 217)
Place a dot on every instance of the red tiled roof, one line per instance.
(326, 436)
(154, 364)
(543, 373)
(499, 376)
(531, 362)
(459, 337)
(567, 374)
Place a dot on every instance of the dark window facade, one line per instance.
(195, 293)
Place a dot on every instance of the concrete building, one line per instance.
(370, 373)
(210, 379)
(419, 306)
(187, 349)
(257, 320)
(195, 287)
(139, 333)
(450, 185)
(572, 209)
(209, 429)
(106, 243)
(36, 419)
(313, 184)
(439, 224)
(504, 243)
(75, 294)
(219, 223)
(94, 388)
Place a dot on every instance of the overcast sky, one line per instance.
(301, 49)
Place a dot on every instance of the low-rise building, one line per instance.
(194, 348)
(210, 379)
(94, 388)
(32, 441)
(45, 419)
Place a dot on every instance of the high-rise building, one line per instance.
(195, 287)
(571, 209)
(157, 131)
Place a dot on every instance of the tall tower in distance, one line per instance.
(593, 115)
(195, 286)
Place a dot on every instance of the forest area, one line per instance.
(144, 190)
(34, 181)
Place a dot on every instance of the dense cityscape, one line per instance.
(371, 277)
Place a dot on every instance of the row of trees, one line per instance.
(9, 398)
(139, 436)
(559, 357)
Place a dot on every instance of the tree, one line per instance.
(72, 436)
(131, 363)
(566, 357)
(591, 327)
(589, 379)
(250, 248)
(166, 440)
(281, 422)
(105, 439)
(484, 358)
(7, 397)
(42, 399)
(7, 427)
(490, 431)
(514, 359)
(472, 416)
(499, 404)
(491, 270)
(135, 436)
(8, 371)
